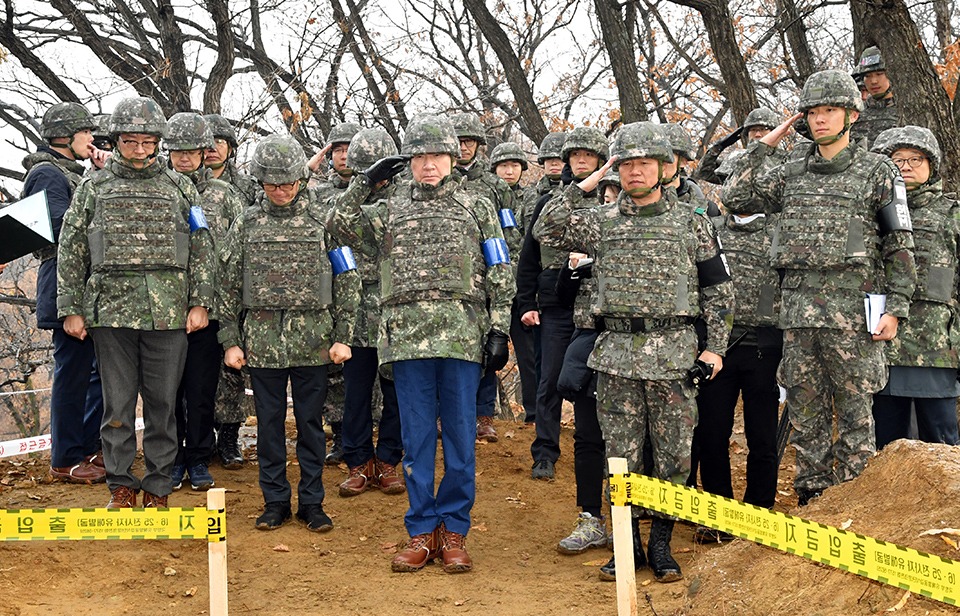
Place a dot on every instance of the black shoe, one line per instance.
(315, 519)
(542, 469)
(274, 516)
(335, 455)
(665, 568)
(228, 446)
(711, 535)
(805, 495)
(608, 572)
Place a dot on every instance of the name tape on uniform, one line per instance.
(104, 524)
(35, 444)
(925, 574)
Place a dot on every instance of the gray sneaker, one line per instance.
(590, 532)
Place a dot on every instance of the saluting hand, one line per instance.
(590, 182)
(774, 137)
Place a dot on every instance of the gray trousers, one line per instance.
(148, 363)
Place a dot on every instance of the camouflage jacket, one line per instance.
(246, 184)
(442, 328)
(137, 297)
(331, 188)
(877, 116)
(494, 190)
(746, 244)
(830, 297)
(931, 336)
(656, 355)
(283, 338)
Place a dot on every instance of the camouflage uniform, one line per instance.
(923, 357)
(878, 114)
(833, 248)
(284, 326)
(134, 256)
(550, 147)
(714, 170)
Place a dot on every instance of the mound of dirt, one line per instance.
(910, 487)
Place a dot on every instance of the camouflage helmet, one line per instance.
(870, 60)
(585, 138)
(188, 131)
(368, 146)
(138, 115)
(65, 120)
(468, 126)
(831, 87)
(221, 128)
(916, 137)
(343, 132)
(102, 131)
(680, 140)
(551, 147)
(279, 159)
(430, 134)
(762, 117)
(641, 140)
(508, 151)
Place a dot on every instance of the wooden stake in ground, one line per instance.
(217, 558)
(623, 549)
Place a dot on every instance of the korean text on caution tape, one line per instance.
(80, 524)
(928, 575)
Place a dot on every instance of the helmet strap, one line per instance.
(831, 139)
(645, 191)
(882, 95)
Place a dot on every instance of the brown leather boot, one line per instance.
(485, 430)
(420, 550)
(361, 479)
(85, 473)
(152, 500)
(122, 497)
(453, 549)
(389, 480)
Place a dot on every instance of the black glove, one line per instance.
(385, 168)
(495, 351)
(727, 141)
(803, 129)
(699, 373)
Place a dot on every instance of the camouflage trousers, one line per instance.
(232, 404)
(827, 372)
(630, 410)
(336, 394)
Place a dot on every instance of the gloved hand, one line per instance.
(727, 141)
(495, 351)
(385, 168)
(803, 129)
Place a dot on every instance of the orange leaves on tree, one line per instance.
(949, 71)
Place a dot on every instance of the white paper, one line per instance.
(874, 306)
(32, 212)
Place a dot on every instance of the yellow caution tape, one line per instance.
(80, 524)
(925, 574)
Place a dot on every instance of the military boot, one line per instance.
(228, 446)
(805, 495)
(335, 455)
(608, 572)
(665, 568)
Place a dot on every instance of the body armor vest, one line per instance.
(285, 264)
(645, 265)
(935, 242)
(827, 222)
(747, 250)
(139, 225)
(434, 252)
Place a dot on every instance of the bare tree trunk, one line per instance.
(941, 9)
(226, 54)
(623, 60)
(924, 102)
(29, 60)
(530, 119)
(738, 87)
(175, 74)
(796, 33)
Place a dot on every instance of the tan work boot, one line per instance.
(389, 480)
(362, 478)
(420, 550)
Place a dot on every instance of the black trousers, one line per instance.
(556, 328)
(197, 395)
(524, 347)
(359, 376)
(309, 387)
(751, 373)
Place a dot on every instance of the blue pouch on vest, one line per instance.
(342, 260)
(507, 219)
(197, 219)
(495, 251)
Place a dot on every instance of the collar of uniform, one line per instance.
(627, 207)
(427, 192)
(295, 207)
(47, 154)
(837, 164)
(201, 178)
(923, 195)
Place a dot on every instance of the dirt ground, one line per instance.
(516, 525)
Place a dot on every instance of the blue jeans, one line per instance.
(428, 389)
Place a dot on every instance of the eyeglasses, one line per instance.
(285, 187)
(139, 145)
(914, 161)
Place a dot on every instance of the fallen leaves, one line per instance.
(943, 533)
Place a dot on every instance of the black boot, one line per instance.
(805, 495)
(335, 455)
(665, 568)
(608, 572)
(228, 446)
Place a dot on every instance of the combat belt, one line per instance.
(642, 325)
